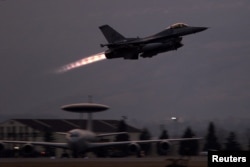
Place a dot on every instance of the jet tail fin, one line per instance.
(110, 34)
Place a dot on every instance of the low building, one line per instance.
(46, 130)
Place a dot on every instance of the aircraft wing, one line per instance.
(51, 144)
(108, 144)
(111, 134)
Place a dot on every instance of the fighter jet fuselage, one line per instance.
(131, 48)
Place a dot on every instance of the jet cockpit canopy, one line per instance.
(177, 25)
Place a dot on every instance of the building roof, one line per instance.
(64, 125)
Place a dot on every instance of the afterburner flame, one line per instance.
(82, 62)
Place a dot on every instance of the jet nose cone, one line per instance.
(199, 29)
(203, 28)
(191, 30)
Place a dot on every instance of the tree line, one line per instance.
(188, 147)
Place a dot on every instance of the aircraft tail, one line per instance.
(110, 34)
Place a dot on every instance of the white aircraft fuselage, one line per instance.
(78, 139)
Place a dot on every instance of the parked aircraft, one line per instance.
(82, 141)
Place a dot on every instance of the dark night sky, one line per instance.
(206, 80)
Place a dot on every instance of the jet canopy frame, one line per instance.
(177, 25)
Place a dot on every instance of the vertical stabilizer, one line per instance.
(110, 34)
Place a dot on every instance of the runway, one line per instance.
(104, 162)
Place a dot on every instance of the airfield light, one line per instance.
(82, 62)
(173, 118)
(16, 148)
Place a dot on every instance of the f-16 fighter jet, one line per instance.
(131, 48)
